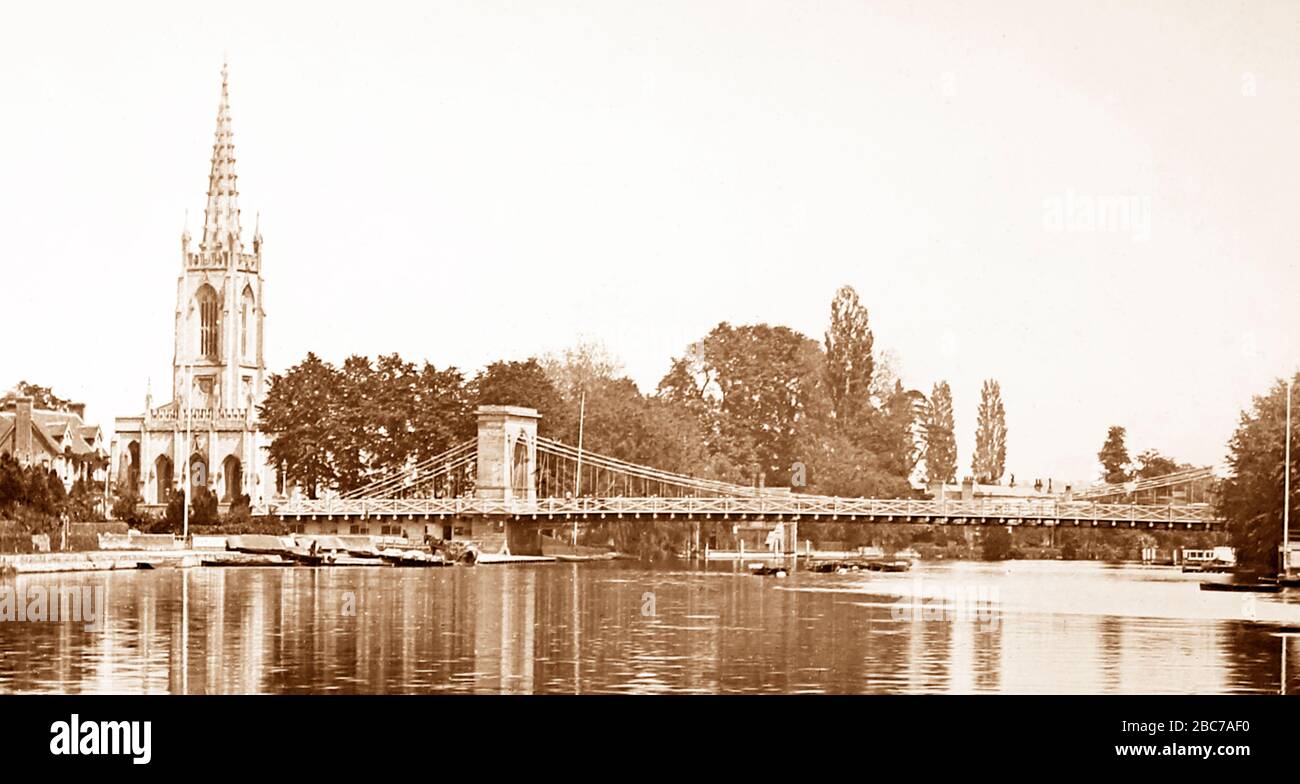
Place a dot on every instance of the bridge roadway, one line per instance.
(768, 507)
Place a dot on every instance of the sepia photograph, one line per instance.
(620, 348)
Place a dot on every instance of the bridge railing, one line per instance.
(984, 508)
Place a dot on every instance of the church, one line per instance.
(218, 366)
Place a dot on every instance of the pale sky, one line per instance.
(465, 182)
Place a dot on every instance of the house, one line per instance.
(59, 441)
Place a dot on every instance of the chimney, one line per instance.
(23, 430)
(79, 409)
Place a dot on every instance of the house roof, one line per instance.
(39, 435)
(55, 431)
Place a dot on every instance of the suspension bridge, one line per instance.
(510, 474)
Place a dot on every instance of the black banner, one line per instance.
(746, 736)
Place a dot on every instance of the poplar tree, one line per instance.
(1114, 456)
(937, 432)
(990, 458)
(848, 360)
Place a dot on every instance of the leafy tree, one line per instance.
(353, 430)
(996, 545)
(893, 431)
(301, 409)
(937, 431)
(1151, 464)
(838, 466)
(849, 362)
(990, 458)
(42, 397)
(125, 500)
(203, 510)
(753, 388)
(32, 494)
(13, 482)
(83, 501)
(1114, 456)
(577, 368)
(1251, 498)
(389, 418)
(241, 512)
(676, 441)
(526, 384)
(443, 415)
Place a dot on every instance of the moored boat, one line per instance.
(1252, 587)
(897, 565)
(418, 558)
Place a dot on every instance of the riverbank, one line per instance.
(124, 560)
(654, 540)
(90, 561)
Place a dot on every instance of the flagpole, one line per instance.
(1286, 485)
(582, 416)
(185, 455)
(189, 413)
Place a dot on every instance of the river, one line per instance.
(628, 627)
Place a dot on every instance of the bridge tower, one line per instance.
(507, 454)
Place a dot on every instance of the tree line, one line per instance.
(1118, 468)
(751, 404)
(1253, 495)
(35, 496)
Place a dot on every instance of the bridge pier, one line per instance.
(507, 454)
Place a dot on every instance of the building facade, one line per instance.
(208, 432)
(57, 440)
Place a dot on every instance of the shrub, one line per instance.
(996, 545)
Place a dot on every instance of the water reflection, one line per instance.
(568, 628)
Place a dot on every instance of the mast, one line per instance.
(582, 416)
(1286, 487)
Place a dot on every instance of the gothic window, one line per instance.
(233, 472)
(208, 327)
(163, 475)
(246, 320)
(519, 469)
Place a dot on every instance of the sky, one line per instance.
(1093, 203)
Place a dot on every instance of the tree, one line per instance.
(1151, 464)
(443, 415)
(838, 466)
(526, 384)
(990, 458)
(893, 431)
(1114, 456)
(302, 410)
(203, 510)
(1251, 497)
(849, 362)
(389, 418)
(577, 368)
(351, 430)
(996, 545)
(42, 397)
(937, 431)
(754, 389)
(125, 500)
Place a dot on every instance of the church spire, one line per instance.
(221, 217)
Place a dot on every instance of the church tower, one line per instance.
(218, 362)
(208, 434)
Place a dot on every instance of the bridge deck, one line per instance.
(1029, 512)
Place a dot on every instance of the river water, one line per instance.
(627, 627)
